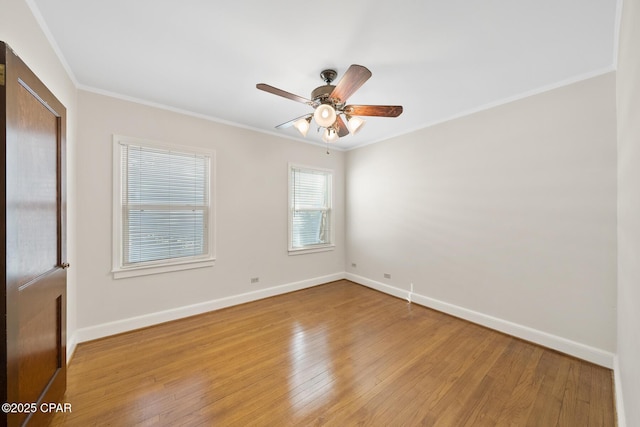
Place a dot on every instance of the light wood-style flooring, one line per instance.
(338, 354)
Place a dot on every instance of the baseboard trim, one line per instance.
(576, 349)
(617, 389)
(72, 343)
(137, 322)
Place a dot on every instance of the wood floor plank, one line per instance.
(333, 355)
(504, 375)
(458, 389)
(600, 405)
(519, 403)
(554, 368)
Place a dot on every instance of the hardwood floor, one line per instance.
(338, 354)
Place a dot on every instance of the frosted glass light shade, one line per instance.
(355, 124)
(325, 115)
(330, 135)
(303, 125)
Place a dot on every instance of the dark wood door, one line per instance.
(34, 250)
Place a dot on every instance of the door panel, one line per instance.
(39, 336)
(33, 241)
(34, 258)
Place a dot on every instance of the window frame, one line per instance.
(119, 269)
(290, 208)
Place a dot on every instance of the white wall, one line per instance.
(628, 91)
(251, 198)
(21, 31)
(506, 217)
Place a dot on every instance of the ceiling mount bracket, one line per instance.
(328, 76)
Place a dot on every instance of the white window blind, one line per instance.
(311, 222)
(165, 205)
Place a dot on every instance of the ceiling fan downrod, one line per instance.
(322, 94)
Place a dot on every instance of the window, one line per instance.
(163, 216)
(310, 214)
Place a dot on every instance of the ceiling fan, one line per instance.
(329, 102)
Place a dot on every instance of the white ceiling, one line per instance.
(439, 59)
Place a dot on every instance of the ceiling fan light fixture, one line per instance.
(330, 135)
(330, 103)
(303, 125)
(355, 124)
(325, 115)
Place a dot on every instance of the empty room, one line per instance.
(348, 213)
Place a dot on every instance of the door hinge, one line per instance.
(1, 74)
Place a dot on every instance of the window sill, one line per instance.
(312, 250)
(122, 273)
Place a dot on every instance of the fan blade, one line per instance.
(285, 94)
(291, 122)
(373, 110)
(341, 127)
(355, 77)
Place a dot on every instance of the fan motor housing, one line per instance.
(321, 93)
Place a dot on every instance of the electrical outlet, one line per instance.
(354, 265)
(387, 276)
(255, 279)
